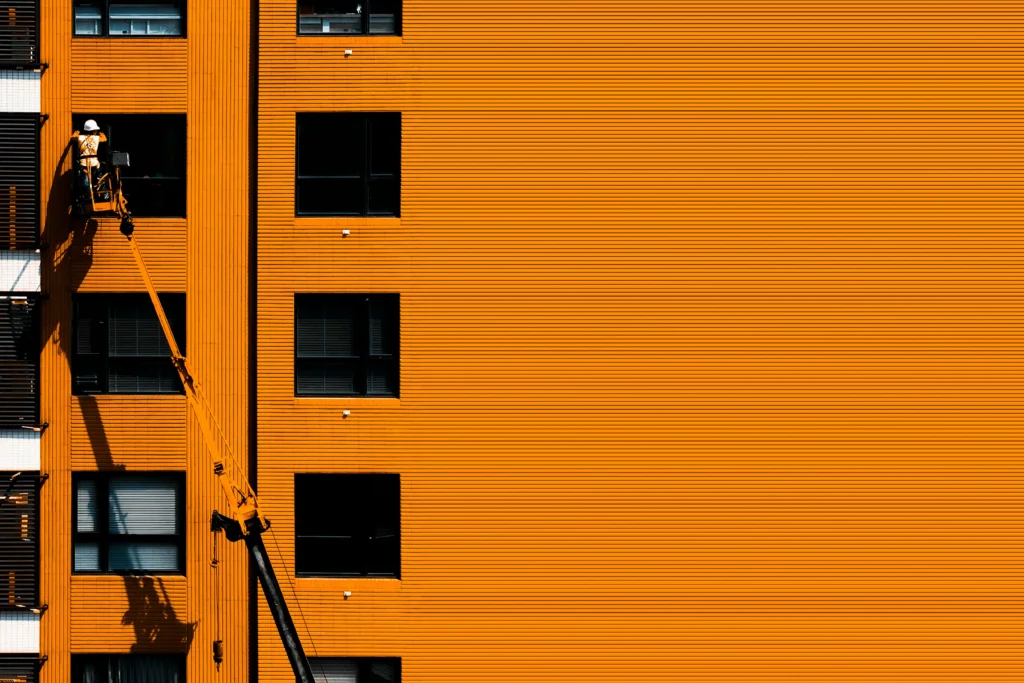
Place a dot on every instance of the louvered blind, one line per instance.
(346, 344)
(18, 669)
(19, 361)
(19, 181)
(142, 526)
(120, 347)
(356, 670)
(19, 543)
(127, 668)
(19, 32)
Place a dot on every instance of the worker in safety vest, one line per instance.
(88, 142)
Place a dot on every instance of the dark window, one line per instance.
(127, 668)
(350, 17)
(120, 348)
(19, 180)
(128, 523)
(356, 669)
(139, 18)
(19, 361)
(348, 164)
(348, 525)
(19, 33)
(154, 182)
(19, 543)
(346, 344)
(19, 668)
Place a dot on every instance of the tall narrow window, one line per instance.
(350, 17)
(348, 525)
(19, 542)
(139, 18)
(346, 344)
(119, 346)
(154, 181)
(348, 164)
(19, 33)
(19, 361)
(128, 523)
(19, 180)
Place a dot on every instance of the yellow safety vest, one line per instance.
(88, 148)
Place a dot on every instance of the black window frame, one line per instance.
(105, 18)
(20, 168)
(103, 536)
(356, 492)
(174, 304)
(365, 22)
(163, 126)
(13, 43)
(13, 555)
(363, 358)
(20, 360)
(363, 666)
(78, 662)
(366, 176)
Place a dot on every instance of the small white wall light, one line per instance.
(345, 413)
(348, 53)
(346, 232)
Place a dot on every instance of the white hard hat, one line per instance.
(90, 126)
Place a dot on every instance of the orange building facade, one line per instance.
(708, 315)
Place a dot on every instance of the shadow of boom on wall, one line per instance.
(151, 615)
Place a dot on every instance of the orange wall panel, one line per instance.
(706, 339)
(130, 432)
(129, 614)
(100, 262)
(129, 75)
(205, 256)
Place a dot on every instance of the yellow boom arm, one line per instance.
(245, 508)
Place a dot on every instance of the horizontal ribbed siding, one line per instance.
(708, 339)
(102, 262)
(133, 432)
(129, 75)
(129, 614)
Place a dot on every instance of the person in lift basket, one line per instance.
(88, 146)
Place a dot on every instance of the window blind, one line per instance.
(19, 361)
(19, 179)
(356, 670)
(19, 542)
(19, 32)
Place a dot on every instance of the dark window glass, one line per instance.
(348, 525)
(19, 361)
(346, 344)
(348, 164)
(118, 346)
(19, 539)
(350, 17)
(128, 668)
(19, 179)
(128, 523)
(19, 35)
(154, 182)
(356, 669)
(130, 18)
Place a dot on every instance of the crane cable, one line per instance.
(218, 643)
(298, 605)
